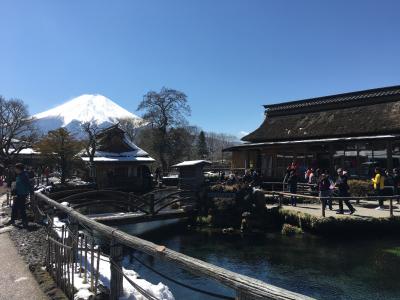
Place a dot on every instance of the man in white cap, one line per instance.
(343, 187)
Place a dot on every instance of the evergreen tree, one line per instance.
(202, 149)
(60, 147)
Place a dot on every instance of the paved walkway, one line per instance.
(364, 210)
(16, 281)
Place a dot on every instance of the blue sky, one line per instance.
(229, 57)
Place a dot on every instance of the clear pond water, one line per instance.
(322, 268)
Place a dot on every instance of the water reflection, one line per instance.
(318, 267)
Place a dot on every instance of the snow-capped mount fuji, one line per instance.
(85, 108)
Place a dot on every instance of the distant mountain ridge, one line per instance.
(88, 107)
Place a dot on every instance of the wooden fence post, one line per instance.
(116, 271)
(35, 208)
(280, 200)
(323, 206)
(391, 207)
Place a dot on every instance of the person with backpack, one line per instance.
(343, 187)
(22, 190)
(379, 185)
(292, 183)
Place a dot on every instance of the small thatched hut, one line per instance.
(357, 131)
(119, 163)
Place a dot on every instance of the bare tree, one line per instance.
(217, 142)
(164, 110)
(91, 129)
(17, 131)
(132, 127)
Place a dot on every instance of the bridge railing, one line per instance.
(244, 286)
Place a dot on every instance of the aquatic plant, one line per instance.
(288, 229)
(394, 251)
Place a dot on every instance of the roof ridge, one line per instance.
(334, 98)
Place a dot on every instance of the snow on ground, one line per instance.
(160, 291)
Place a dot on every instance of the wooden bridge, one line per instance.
(130, 208)
(246, 288)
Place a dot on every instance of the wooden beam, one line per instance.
(139, 218)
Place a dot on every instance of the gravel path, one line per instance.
(31, 244)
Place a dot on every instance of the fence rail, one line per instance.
(244, 286)
(322, 200)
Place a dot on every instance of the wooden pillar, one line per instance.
(391, 207)
(116, 286)
(389, 149)
(358, 167)
(331, 163)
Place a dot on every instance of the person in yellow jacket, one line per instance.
(379, 185)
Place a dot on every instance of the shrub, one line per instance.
(360, 188)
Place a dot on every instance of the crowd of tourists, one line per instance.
(329, 186)
(251, 177)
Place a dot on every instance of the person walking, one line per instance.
(22, 189)
(324, 187)
(292, 183)
(379, 184)
(343, 187)
(396, 183)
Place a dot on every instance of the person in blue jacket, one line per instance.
(22, 190)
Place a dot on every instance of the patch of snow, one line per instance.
(83, 293)
(192, 163)
(119, 158)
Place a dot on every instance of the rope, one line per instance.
(183, 284)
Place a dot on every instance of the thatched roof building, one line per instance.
(351, 130)
(119, 163)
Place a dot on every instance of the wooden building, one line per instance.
(191, 173)
(356, 131)
(119, 163)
